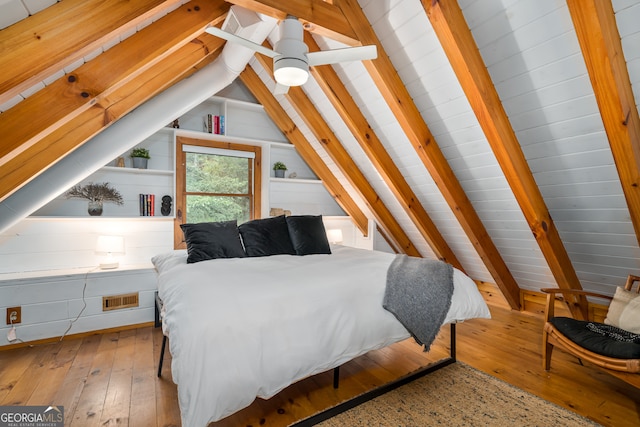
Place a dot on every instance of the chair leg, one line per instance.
(164, 344)
(547, 349)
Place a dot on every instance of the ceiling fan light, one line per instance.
(290, 72)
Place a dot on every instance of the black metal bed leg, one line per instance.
(336, 377)
(164, 344)
(452, 352)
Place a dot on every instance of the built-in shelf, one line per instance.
(137, 171)
(296, 180)
(245, 123)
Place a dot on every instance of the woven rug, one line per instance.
(457, 395)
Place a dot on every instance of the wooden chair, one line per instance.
(551, 336)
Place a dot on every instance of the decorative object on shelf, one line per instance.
(140, 156)
(110, 245)
(279, 211)
(279, 169)
(176, 124)
(334, 236)
(165, 209)
(96, 194)
(293, 175)
(120, 162)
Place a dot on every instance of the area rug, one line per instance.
(457, 395)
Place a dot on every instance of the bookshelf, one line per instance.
(244, 122)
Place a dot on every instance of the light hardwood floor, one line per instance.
(110, 379)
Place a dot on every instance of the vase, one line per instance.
(95, 208)
(279, 173)
(139, 162)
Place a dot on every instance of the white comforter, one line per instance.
(246, 327)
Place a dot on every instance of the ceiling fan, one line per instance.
(291, 56)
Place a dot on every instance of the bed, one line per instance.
(247, 327)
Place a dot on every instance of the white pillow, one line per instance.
(624, 311)
(166, 261)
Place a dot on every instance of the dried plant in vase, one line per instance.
(96, 194)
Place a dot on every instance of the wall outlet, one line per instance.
(14, 315)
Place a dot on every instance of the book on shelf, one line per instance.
(147, 204)
(214, 124)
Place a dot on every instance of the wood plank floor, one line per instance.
(110, 379)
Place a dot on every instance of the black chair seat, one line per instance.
(599, 338)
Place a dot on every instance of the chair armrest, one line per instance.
(551, 298)
(554, 291)
(630, 281)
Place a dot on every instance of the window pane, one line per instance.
(209, 173)
(218, 208)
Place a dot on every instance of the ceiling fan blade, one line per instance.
(242, 41)
(334, 56)
(280, 89)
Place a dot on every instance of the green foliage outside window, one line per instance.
(222, 184)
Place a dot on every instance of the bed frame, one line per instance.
(351, 403)
(379, 391)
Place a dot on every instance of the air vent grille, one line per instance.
(115, 302)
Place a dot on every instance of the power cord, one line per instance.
(84, 303)
(12, 336)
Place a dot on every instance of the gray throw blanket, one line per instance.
(419, 293)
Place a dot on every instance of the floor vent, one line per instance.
(115, 302)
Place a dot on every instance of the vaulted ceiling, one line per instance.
(502, 137)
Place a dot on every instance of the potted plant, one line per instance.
(96, 194)
(278, 169)
(140, 156)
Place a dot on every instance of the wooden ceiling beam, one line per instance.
(34, 48)
(90, 122)
(83, 87)
(458, 44)
(595, 24)
(401, 104)
(24, 164)
(317, 16)
(343, 102)
(323, 133)
(280, 117)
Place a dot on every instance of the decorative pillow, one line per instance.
(600, 338)
(624, 311)
(308, 235)
(168, 260)
(268, 236)
(211, 240)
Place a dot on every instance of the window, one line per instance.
(215, 181)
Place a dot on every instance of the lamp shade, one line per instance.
(334, 235)
(110, 245)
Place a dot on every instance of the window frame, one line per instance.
(181, 193)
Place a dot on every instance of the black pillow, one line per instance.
(268, 236)
(308, 235)
(211, 240)
(598, 338)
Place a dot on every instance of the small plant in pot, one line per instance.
(139, 157)
(96, 194)
(279, 168)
